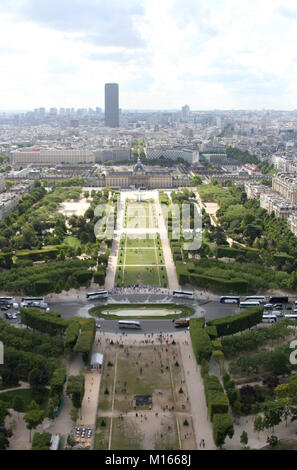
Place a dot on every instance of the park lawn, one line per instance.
(125, 435)
(140, 256)
(27, 395)
(73, 242)
(102, 434)
(105, 400)
(142, 275)
(184, 310)
(147, 241)
(169, 440)
(144, 382)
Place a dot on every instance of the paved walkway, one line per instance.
(170, 266)
(195, 386)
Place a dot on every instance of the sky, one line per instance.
(209, 54)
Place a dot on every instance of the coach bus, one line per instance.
(229, 299)
(180, 293)
(249, 304)
(256, 298)
(292, 316)
(33, 299)
(129, 324)
(6, 300)
(101, 294)
(275, 299)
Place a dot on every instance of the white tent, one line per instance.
(97, 361)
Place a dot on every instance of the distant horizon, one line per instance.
(152, 110)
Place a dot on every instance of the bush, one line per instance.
(234, 323)
(222, 427)
(200, 340)
(217, 402)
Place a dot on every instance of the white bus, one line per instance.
(258, 298)
(101, 294)
(249, 304)
(180, 293)
(292, 316)
(33, 299)
(6, 300)
(129, 324)
(229, 299)
(269, 319)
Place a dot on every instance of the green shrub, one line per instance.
(222, 427)
(234, 323)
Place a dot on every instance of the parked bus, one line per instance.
(6, 300)
(129, 324)
(269, 319)
(101, 294)
(180, 293)
(229, 299)
(292, 316)
(181, 322)
(249, 304)
(278, 299)
(33, 299)
(258, 298)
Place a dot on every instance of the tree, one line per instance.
(258, 425)
(3, 412)
(18, 404)
(33, 418)
(41, 441)
(272, 441)
(4, 442)
(244, 438)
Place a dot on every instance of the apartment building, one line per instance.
(286, 185)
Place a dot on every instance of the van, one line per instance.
(269, 319)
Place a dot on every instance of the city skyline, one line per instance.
(214, 56)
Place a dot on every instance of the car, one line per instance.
(289, 307)
(4, 307)
(278, 313)
(15, 305)
(278, 306)
(98, 325)
(8, 315)
(268, 306)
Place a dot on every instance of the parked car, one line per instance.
(8, 315)
(4, 307)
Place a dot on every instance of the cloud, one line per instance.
(101, 22)
(288, 13)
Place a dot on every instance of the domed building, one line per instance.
(140, 177)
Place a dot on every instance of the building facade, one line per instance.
(51, 156)
(112, 113)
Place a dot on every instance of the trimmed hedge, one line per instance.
(72, 333)
(49, 323)
(222, 427)
(57, 382)
(212, 332)
(252, 254)
(217, 402)
(234, 323)
(219, 284)
(84, 343)
(200, 340)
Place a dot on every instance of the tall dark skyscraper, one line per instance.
(112, 105)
